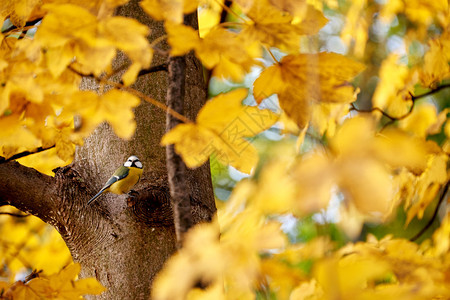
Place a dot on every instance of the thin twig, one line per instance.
(23, 154)
(230, 11)
(436, 210)
(271, 54)
(151, 101)
(353, 107)
(158, 68)
(441, 87)
(413, 99)
(224, 12)
(28, 25)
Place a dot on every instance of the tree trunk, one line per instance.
(121, 241)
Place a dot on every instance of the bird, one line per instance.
(123, 179)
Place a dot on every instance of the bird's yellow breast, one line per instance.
(124, 186)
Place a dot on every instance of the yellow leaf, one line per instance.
(272, 27)
(414, 151)
(181, 38)
(436, 67)
(21, 291)
(58, 58)
(296, 105)
(193, 143)
(44, 162)
(424, 120)
(116, 108)
(269, 82)
(15, 135)
(169, 10)
(58, 28)
(303, 79)
(89, 286)
(222, 134)
(238, 51)
(393, 91)
(63, 285)
(130, 36)
(293, 7)
(19, 11)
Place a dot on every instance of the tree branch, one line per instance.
(27, 26)
(353, 107)
(153, 69)
(23, 154)
(224, 12)
(436, 210)
(429, 93)
(413, 99)
(28, 190)
(176, 168)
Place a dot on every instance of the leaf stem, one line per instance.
(150, 100)
(271, 54)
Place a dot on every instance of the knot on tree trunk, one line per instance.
(152, 206)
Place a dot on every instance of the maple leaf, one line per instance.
(222, 134)
(272, 27)
(227, 59)
(169, 10)
(57, 286)
(91, 43)
(436, 67)
(304, 79)
(18, 11)
(424, 120)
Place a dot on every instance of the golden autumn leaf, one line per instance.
(169, 10)
(304, 79)
(230, 59)
(436, 67)
(270, 26)
(222, 134)
(116, 108)
(181, 38)
(91, 42)
(424, 120)
(19, 11)
(393, 91)
(60, 286)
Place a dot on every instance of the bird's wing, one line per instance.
(120, 173)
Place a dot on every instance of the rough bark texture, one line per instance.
(121, 241)
(176, 168)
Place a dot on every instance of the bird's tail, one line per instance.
(96, 196)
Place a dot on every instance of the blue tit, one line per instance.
(123, 179)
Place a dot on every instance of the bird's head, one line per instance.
(133, 161)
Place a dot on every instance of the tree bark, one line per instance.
(121, 241)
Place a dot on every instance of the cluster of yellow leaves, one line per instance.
(304, 81)
(245, 253)
(40, 76)
(26, 244)
(231, 53)
(62, 285)
(29, 243)
(222, 134)
(422, 13)
(385, 269)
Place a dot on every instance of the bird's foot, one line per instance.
(132, 194)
